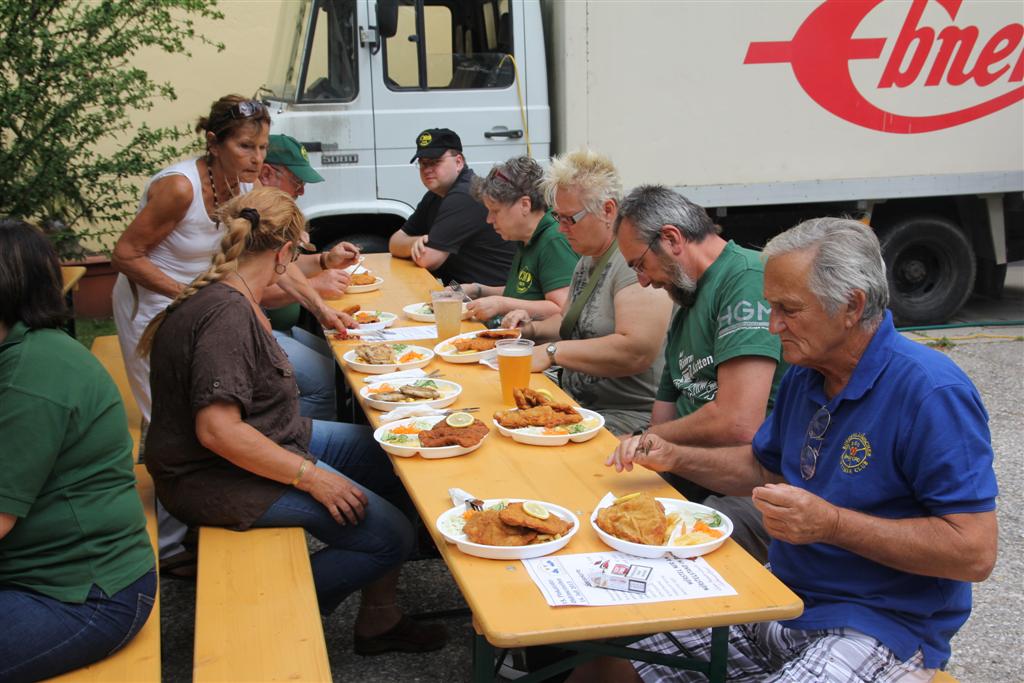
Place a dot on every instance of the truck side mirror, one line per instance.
(387, 18)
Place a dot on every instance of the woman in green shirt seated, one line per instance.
(77, 578)
(538, 281)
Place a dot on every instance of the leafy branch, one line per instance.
(68, 89)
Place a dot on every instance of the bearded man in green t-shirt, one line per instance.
(722, 365)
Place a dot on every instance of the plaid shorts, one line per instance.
(772, 652)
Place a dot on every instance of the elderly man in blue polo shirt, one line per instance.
(873, 475)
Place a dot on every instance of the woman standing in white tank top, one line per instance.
(172, 239)
(173, 236)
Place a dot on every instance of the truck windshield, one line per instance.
(314, 57)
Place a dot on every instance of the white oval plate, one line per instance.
(418, 313)
(449, 393)
(370, 369)
(386, 320)
(651, 551)
(449, 527)
(359, 289)
(447, 352)
(534, 437)
(408, 451)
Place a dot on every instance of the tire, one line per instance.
(930, 266)
(367, 243)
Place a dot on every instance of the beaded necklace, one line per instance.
(213, 185)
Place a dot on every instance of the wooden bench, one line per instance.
(256, 608)
(139, 660)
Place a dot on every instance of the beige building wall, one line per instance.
(247, 31)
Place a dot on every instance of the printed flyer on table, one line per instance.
(566, 580)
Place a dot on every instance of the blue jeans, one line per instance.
(355, 554)
(314, 372)
(43, 637)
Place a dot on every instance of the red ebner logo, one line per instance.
(823, 46)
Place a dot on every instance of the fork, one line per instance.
(456, 287)
(475, 504)
(643, 446)
(460, 410)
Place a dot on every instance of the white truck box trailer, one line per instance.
(907, 113)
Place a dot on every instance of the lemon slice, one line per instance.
(459, 420)
(536, 510)
(623, 499)
(546, 394)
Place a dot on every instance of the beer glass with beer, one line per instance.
(515, 356)
(447, 313)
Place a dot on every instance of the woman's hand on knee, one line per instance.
(344, 500)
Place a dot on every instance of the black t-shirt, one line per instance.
(457, 224)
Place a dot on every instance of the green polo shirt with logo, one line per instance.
(66, 464)
(543, 264)
(728, 319)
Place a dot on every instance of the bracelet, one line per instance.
(323, 260)
(302, 471)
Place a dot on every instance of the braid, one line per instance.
(277, 221)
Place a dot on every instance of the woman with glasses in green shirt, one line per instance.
(538, 281)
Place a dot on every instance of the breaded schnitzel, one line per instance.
(499, 334)
(485, 527)
(375, 354)
(639, 518)
(515, 515)
(540, 416)
(364, 278)
(485, 340)
(443, 434)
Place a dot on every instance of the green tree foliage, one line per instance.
(68, 153)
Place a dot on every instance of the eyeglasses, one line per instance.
(813, 442)
(570, 220)
(246, 109)
(638, 265)
(298, 185)
(431, 163)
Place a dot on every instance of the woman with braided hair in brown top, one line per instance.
(227, 446)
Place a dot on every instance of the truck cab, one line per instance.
(357, 80)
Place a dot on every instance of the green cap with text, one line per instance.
(284, 150)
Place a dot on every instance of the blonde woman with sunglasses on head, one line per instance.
(227, 446)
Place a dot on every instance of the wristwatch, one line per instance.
(551, 348)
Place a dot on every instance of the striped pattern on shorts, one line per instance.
(771, 652)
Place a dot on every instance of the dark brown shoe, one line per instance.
(405, 636)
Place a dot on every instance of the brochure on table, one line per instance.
(570, 579)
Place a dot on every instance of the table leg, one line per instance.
(483, 660)
(719, 654)
(69, 326)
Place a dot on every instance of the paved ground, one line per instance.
(987, 649)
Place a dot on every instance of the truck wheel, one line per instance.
(367, 243)
(930, 266)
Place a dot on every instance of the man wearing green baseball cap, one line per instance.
(287, 166)
(311, 279)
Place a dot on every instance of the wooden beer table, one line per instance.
(508, 609)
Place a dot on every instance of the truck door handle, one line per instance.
(514, 134)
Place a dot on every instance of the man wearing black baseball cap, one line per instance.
(448, 232)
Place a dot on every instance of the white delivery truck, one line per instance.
(907, 113)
